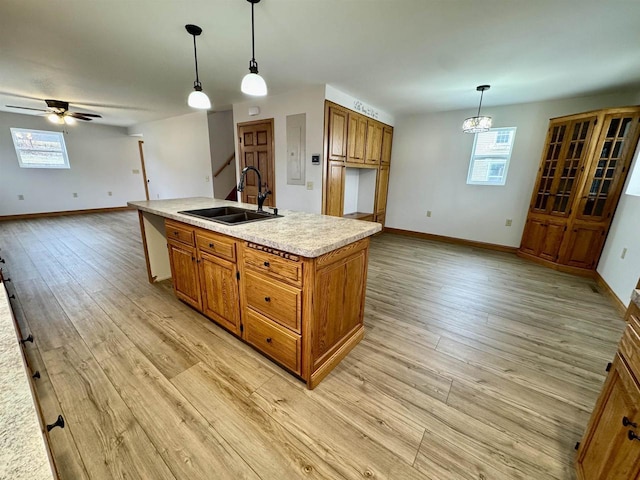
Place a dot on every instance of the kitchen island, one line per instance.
(292, 287)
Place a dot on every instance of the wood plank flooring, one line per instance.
(475, 365)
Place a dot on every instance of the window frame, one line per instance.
(20, 151)
(504, 159)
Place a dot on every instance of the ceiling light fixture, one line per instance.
(252, 83)
(478, 123)
(197, 98)
(56, 118)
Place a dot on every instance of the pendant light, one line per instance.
(252, 83)
(478, 123)
(197, 98)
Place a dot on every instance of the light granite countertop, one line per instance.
(306, 234)
(23, 454)
(635, 297)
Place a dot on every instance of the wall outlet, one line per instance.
(109, 193)
(428, 213)
(624, 253)
(135, 171)
(206, 179)
(20, 197)
(309, 185)
(508, 222)
(75, 195)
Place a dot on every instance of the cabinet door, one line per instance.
(607, 452)
(584, 246)
(615, 148)
(357, 134)
(220, 300)
(335, 189)
(337, 134)
(381, 190)
(374, 142)
(533, 236)
(387, 139)
(184, 272)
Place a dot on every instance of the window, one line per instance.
(490, 156)
(40, 149)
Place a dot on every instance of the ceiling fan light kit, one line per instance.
(197, 98)
(478, 123)
(58, 112)
(252, 83)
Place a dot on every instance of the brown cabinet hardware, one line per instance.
(12, 296)
(58, 423)
(266, 264)
(626, 422)
(36, 375)
(28, 339)
(267, 299)
(268, 339)
(631, 435)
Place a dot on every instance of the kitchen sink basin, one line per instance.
(230, 215)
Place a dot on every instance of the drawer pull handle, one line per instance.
(2, 260)
(211, 245)
(36, 375)
(268, 339)
(12, 296)
(58, 423)
(632, 435)
(266, 264)
(267, 299)
(28, 339)
(626, 422)
(176, 233)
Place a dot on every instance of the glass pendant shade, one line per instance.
(254, 84)
(199, 99)
(476, 124)
(479, 123)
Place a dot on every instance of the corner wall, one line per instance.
(177, 156)
(102, 160)
(311, 102)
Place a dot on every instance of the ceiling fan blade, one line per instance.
(27, 108)
(94, 115)
(79, 116)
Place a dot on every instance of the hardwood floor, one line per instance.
(475, 365)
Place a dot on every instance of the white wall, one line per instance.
(430, 161)
(177, 156)
(311, 102)
(101, 157)
(222, 144)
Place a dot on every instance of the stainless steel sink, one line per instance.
(230, 215)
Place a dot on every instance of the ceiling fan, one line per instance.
(58, 112)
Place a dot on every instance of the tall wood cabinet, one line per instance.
(353, 140)
(584, 165)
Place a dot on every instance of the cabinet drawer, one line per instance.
(288, 270)
(179, 232)
(275, 300)
(216, 244)
(630, 345)
(275, 341)
(633, 311)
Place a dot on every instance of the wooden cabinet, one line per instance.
(336, 132)
(204, 272)
(584, 165)
(610, 447)
(356, 138)
(304, 313)
(387, 140)
(334, 197)
(182, 258)
(374, 142)
(355, 141)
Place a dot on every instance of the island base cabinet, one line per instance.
(184, 271)
(218, 279)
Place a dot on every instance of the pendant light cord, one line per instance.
(479, 106)
(195, 53)
(253, 38)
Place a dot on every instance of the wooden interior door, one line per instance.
(256, 150)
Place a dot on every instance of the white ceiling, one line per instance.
(132, 60)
